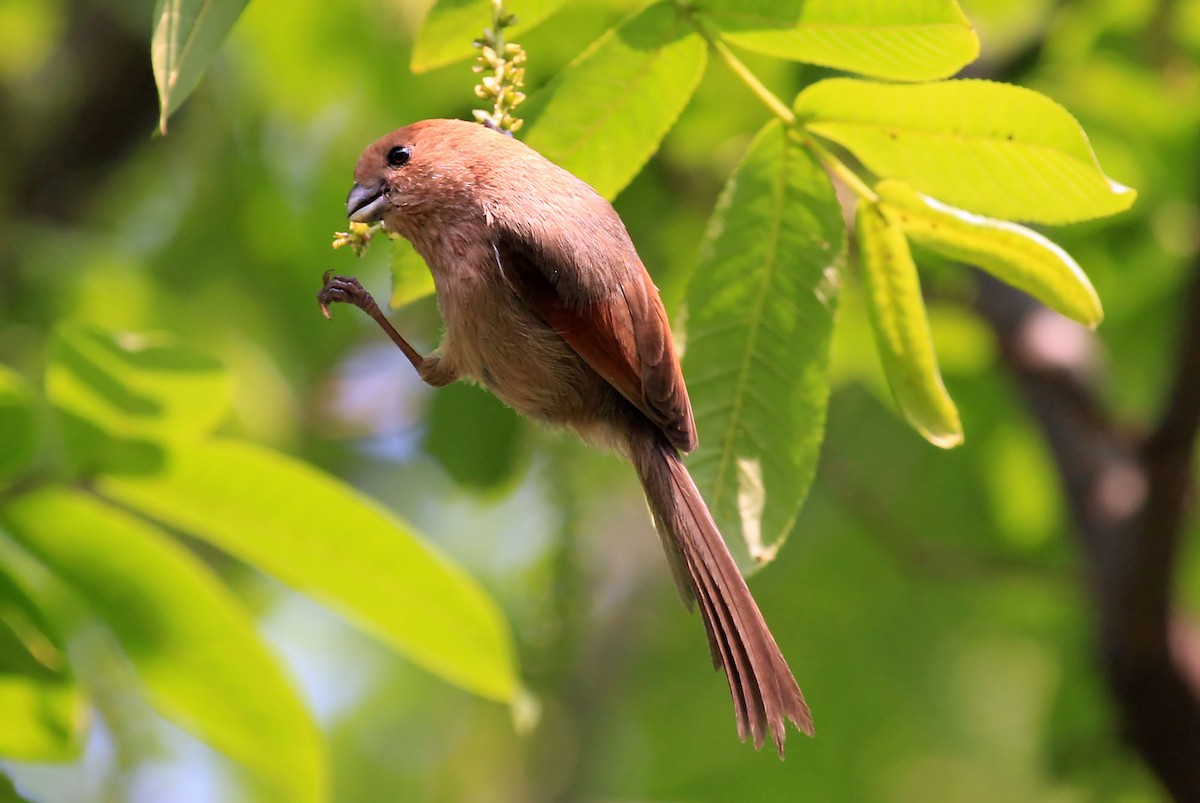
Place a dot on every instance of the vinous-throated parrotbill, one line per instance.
(546, 303)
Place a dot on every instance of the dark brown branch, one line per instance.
(1127, 496)
(1180, 420)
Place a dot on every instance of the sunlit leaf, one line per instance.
(145, 385)
(186, 36)
(915, 40)
(131, 387)
(473, 435)
(605, 114)
(42, 709)
(450, 25)
(995, 149)
(193, 647)
(760, 313)
(411, 279)
(902, 328)
(18, 425)
(321, 537)
(29, 644)
(42, 718)
(1015, 254)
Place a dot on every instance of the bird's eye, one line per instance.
(398, 156)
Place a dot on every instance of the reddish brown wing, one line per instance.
(624, 336)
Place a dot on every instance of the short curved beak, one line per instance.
(365, 204)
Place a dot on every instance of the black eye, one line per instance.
(398, 156)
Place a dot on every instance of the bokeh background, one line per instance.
(932, 604)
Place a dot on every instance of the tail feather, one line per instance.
(765, 694)
(747, 703)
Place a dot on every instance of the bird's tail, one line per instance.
(764, 691)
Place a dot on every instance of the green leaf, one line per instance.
(193, 647)
(411, 279)
(605, 114)
(43, 710)
(18, 424)
(137, 385)
(902, 328)
(451, 25)
(999, 150)
(186, 36)
(915, 40)
(29, 644)
(43, 719)
(1014, 254)
(473, 435)
(324, 539)
(760, 313)
(114, 390)
(8, 793)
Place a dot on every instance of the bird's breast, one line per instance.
(493, 338)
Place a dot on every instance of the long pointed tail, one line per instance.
(764, 691)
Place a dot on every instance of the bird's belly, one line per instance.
(494, 339)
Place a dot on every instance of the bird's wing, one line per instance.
(617, 324)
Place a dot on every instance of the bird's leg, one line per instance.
(348, 290)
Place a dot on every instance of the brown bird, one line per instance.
(546, 303)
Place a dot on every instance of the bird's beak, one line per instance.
(365, 204)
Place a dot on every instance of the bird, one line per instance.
(545, 302)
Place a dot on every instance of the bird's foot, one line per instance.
(344, 290)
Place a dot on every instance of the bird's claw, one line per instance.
(342, 290)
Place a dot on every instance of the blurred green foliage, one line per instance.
(929, 602)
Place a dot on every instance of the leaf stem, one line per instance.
(738, 67)
(780, 109)
(837, 167)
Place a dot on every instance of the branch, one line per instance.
(1127, 498)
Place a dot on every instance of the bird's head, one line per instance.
(431, 170)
